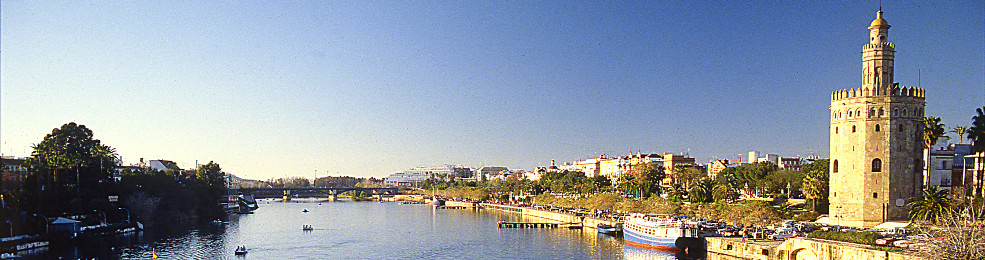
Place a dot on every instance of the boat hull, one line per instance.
(637, 239)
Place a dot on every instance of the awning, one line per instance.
(64, 221)
(891, 225)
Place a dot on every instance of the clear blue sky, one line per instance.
(367, 88)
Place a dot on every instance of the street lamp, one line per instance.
(104, 216)
(128, 214)
(46, 224)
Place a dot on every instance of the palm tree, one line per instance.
(930, 206)
(977, 136)
(701, 190)
(676, 192)
(961, 130)
(932, 129)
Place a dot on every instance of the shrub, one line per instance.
(866, 238)
(807, 217)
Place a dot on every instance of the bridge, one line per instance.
(287, 193)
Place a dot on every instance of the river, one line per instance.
(358, 230)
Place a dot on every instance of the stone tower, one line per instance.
(876, 140)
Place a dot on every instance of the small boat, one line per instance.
(609, 230)
(307, 228)
(240, 250)
(305, 211)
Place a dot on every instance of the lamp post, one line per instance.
(104, 215)
(128, 214)
(46, 224)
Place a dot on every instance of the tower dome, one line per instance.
(879, 21)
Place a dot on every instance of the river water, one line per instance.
(359, 230)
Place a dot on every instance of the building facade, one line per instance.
(876, 140)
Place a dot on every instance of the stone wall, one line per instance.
(800, 248)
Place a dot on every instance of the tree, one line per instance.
(211, 174)
(961, 130)
(932, 129)
(68, 158)
(676, 192)
(977, 131)
(977, 136)
(701, 190)
(728, 185)
(963, 236)
(930, 206)
(816, 176)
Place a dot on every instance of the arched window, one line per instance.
(834, 166)
(904, 112)
(880, 112)
(876, 165)
(858, 112)
(853, 129)
(836, 130)
(901, 127)
(895, 111)
(877, 128)
(872, 112)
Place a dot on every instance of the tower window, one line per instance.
(834, 166)
(901, 127)
(895, 111)
(853, 129)
(872, 112)
(904, 112)
(877, 128)
(876, 165)
(858, 113)
(880, 112)
(836, 130)
(875, 195)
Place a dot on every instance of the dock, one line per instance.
(533, 225)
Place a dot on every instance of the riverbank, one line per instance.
(798, 248)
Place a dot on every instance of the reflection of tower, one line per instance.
(876, 140)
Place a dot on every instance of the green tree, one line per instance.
(676, 192)
(961, 130)
(932, 129)
(68, 165)
(727, 187)
(930, 206)
(213, 177)
(816, 177)
(977, 131)
(701, 191)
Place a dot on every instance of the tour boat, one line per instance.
(658, 232)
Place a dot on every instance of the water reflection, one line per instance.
(361, 230)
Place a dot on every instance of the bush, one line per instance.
(866, 238)
(807, 217)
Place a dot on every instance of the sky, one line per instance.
(367, 88)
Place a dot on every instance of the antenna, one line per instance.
(880, 5)
(918, 79)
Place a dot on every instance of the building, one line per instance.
(420, 174)
(962, 168)
(614, 167)
(492, 172)
(975, 174)
(876, 138)
(938, 161)
(162, 165)
(405, 179)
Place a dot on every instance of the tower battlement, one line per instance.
(871, 46)
(896, 91)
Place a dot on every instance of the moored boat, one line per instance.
(609, 230)
(658, 232)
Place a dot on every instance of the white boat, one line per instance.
(659, 232)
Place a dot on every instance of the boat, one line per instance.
(305, 211)
(240, 250)
(307, 228)
(658, 232)
(609, 230)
